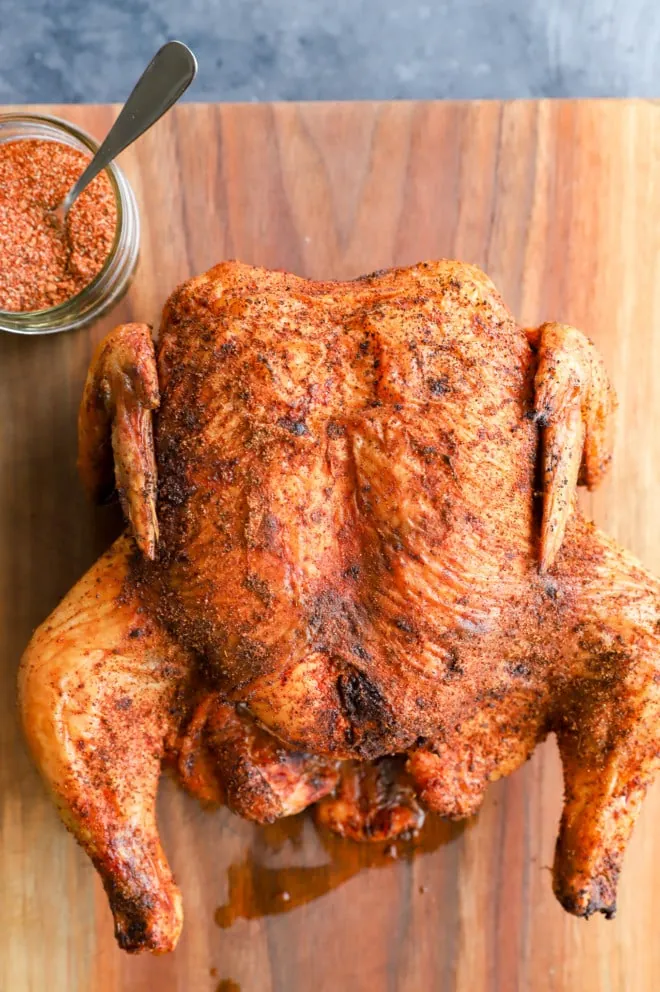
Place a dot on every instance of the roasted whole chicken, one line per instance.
(353, 575)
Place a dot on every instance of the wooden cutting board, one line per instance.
(560, 203)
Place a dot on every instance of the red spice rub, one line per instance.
(42, 263)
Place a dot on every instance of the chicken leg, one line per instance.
(607, 715)
(98, 690)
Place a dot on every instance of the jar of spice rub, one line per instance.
(56, 277)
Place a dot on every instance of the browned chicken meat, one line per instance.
(354, 573)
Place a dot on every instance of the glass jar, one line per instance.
(113, 280)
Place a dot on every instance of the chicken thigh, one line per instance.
(354, 573)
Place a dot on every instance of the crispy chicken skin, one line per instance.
(365, 544)
(100, 685)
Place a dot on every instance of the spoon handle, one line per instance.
(166, 78)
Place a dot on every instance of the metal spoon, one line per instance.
(166, 78)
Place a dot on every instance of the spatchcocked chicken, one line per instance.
(352, 535)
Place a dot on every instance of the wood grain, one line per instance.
(560, 203)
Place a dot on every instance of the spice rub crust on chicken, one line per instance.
(352, 535)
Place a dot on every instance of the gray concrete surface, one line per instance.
(92, 50)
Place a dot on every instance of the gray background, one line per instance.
(92, 50)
